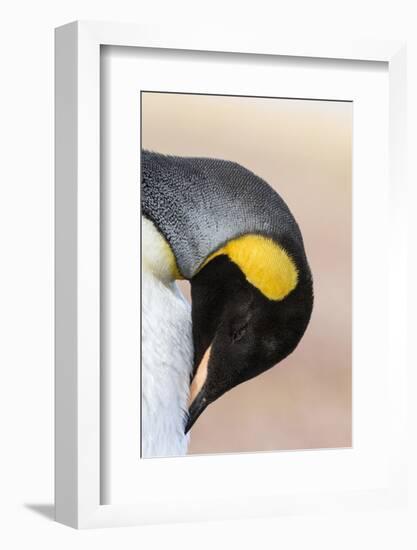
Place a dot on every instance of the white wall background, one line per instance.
(26, 271)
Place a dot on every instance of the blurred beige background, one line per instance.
(303, 149)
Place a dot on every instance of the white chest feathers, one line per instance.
(167, 350)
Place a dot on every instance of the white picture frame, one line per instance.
(77, 498)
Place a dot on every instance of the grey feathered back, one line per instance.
(199, 204)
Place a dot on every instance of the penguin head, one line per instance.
(251, 304)
(235, 239)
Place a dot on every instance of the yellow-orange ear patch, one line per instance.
(265, 264)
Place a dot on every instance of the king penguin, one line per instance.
(223, 228)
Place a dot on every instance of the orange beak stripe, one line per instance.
(200, 376)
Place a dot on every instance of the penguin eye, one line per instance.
(238, 333)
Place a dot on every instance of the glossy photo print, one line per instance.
(246, 255)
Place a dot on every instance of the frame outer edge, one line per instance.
(399, 254)
(66, 345)
(88, 275)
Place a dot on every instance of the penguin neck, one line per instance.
(157, 256)
(167, 349)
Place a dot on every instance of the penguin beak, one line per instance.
(196, 408)
(198, 398)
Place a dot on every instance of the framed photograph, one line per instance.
(230, 275)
